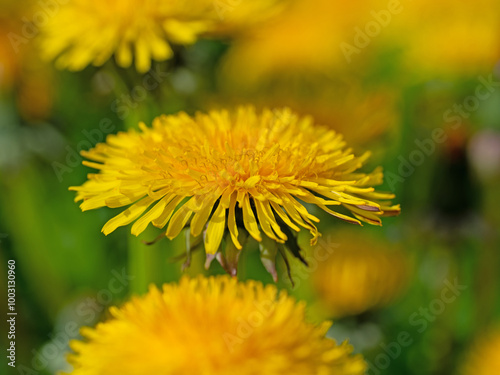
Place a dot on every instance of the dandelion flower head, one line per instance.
(212, 326)
(227, 174)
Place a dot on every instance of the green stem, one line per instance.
(139, 265)
(146, 263)
(151, 264)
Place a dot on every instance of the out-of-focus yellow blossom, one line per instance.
(333, 36)
(361, 274)
(212, 326)
(484, 356)
(306, 37)
(446, 38)
(82, 33)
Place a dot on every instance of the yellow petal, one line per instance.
(142, 56)
(231, 222)
(249, 220)
(292, 212)
(100, 200)
(282, 214)
(124, 55)
(251, 182)
(91, 164)
(272, 220)
(179, 220)
(120, 200)
(161, 221)
(225, 197)
(127, 216)
(215, 230)
(183, 32)
(340, 216)
(141, 224)
(265, 222)
(366, 216)
(201, 217)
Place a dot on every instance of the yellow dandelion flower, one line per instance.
(361, 274)
(81, 33)
(243, 171)
(211, 326)
(484, 358)
(307, 36)
(455, 39)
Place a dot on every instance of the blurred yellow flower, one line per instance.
(305, 37)
(212, 326)
(456, 37)
(334, 36)
(484, 358)
(243, 171)
(83, 33)
(22, 74)
(361, 274)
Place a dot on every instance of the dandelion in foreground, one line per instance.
(228, 176)
(211, 326)
(361, 274)
(84, 32)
